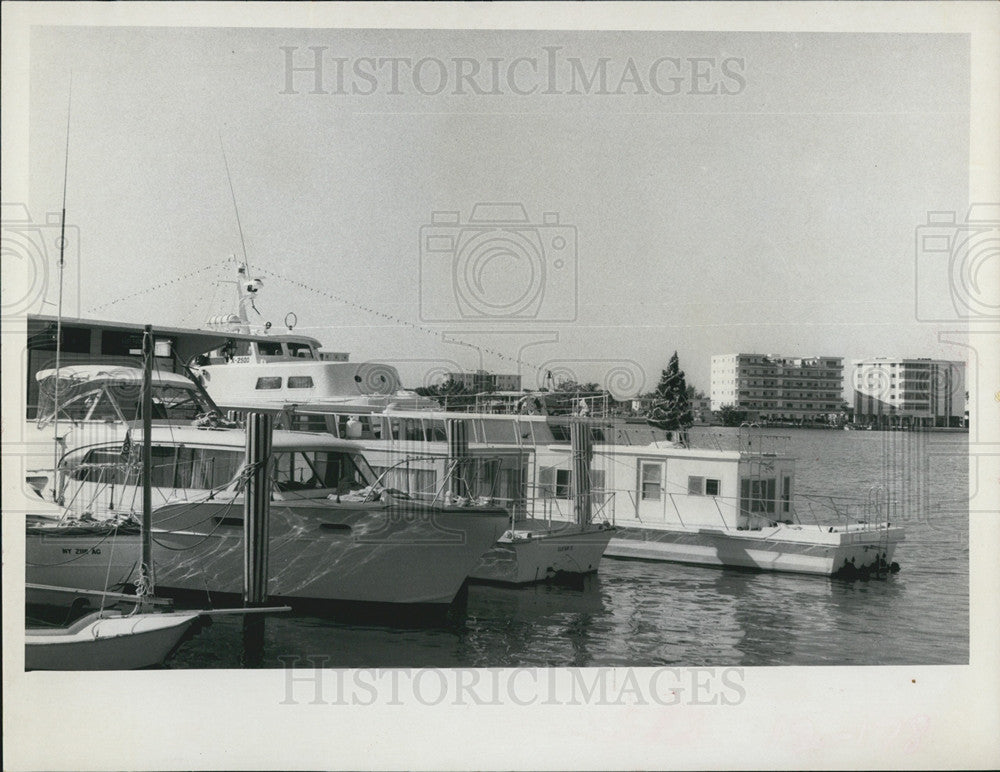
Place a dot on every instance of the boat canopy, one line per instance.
(102, 393)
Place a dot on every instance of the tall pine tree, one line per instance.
(672, 409)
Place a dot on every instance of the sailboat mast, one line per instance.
(62, 263)
(147, 459)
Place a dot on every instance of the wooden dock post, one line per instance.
(256, 509)
(256, 533)
(582, 452)
(458, 455)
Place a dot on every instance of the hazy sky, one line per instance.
(774, 215)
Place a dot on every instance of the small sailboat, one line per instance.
(108, 640)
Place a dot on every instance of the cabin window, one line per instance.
(123, 343)
(177, 402)
(300, 382)
(301, 350)
(651, 482)
(164, 466)
(107, 466)
(786, 493)
(75, 340)
(269, 348)
(206, 468)
(712, 487)
(268, 382)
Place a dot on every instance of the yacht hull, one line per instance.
(365, 553)
(537, 554)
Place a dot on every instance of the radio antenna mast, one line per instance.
(62, 264)
(236, 209)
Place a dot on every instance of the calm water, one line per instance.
(647, 614)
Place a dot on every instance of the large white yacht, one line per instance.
(336, 532)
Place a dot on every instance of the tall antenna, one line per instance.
(236, 209)
(62, 264)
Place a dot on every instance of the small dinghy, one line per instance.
(108, 640)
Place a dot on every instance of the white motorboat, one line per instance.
(335, 534)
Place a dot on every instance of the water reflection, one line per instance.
(650, 614)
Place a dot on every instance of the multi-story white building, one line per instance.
(778, 388)
(892, 391)
(480, 380)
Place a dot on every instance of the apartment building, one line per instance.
(777, 388)
(909, 393)
(481, 380)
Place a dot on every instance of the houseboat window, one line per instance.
(786, 493)
(269, 382)
(712, 487)
(300, 382)
(696, 485)
(309, 423)
(563, 482)
(436, 431)
(269, 348)
(315, 469)
(652, 481)
(560, 432)
(757, 496)
(301, 350)
(499, 430)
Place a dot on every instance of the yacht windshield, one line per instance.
(302, 470)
